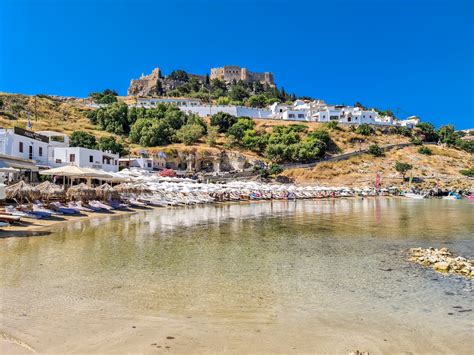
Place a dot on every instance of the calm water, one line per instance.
(310, 276)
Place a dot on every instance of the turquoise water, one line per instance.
(324, 276)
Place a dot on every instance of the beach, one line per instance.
(326, 276)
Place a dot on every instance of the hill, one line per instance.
(71, 114)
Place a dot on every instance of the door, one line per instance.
(30, 152)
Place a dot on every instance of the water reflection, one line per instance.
(269, 262)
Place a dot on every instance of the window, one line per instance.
(40, 151)
(59, 161)
(300, 115)
(72, 158)
(20, 148)
(291, 115)
(149, 164)
(91, 159)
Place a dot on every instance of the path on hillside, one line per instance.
(346, 156)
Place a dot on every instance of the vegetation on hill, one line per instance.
(105, 97)
(119, 128)
(236, 93)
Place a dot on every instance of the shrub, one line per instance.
(211, 137)
(402, 168)
(425, 151)
(111, 144)
(190, 133)
(223, 121)
(468, 172)
(333, 125)
(237, 130)
(426, 132)
(365, 129)
(375, 150)
(416, 141)
(82, 139)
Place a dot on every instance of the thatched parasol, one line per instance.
(48, 190)
(81, 192)
(107, 192)
(124, 188)
(21, 190)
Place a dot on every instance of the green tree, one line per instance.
(111, 144)
(467, 145)
(258, 101)
(426, 132)
(364, 129)
(82, 139)
(402, 168)
(237, 93)
(179, 75)
(105, 97)
(223, 121)
(447, 135)
(190, 133)
(237, 130)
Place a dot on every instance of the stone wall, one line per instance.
(229, 73)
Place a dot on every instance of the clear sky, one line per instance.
(415, 55)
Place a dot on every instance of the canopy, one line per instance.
(9, 170)
(75, 171)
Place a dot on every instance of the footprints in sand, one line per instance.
(166, 346)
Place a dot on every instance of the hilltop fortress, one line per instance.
(152, 84)
(228, 73)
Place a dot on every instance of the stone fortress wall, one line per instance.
(229, 73)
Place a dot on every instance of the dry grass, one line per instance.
(46, 114)
(443, 165)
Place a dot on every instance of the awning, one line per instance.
(17, 164)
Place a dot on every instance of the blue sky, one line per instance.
(414, 56)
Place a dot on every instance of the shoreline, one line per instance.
(39, 227)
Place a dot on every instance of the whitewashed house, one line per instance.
(20, 143)
(137, 162)
(45, 149)
(84, 158)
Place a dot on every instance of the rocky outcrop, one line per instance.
(155, 84)
(442, 260)
(145, 86)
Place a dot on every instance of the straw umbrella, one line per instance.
(107, 192)
(21, 190)
(81, 192)
(49, 190)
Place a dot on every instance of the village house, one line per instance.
(27, 150)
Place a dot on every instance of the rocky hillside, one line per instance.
(444, 164)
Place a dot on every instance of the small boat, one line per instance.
(470, 197)
(452, 196)
(4, 224)
(414, 196)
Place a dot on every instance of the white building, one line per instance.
(47, 149)
(84, 158)
(137, 162)
(150, 103)
(410, 122)
(319, 111)
(20, 143)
